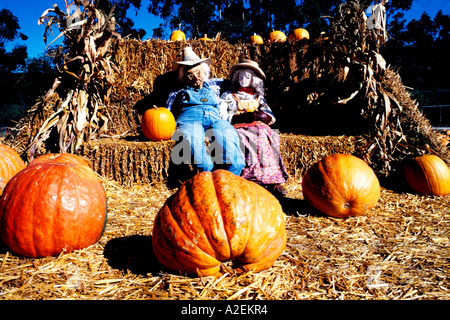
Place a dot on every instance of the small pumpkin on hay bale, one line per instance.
(158, 124)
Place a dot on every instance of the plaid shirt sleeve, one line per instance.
(171, 100)
(216, 85)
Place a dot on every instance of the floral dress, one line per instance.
(261, 144)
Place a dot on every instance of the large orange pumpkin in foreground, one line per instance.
(10, 164)
(52, 207)
(158, 124)
(428, 175)
(341, 185)
(59, 158)
(216, 217)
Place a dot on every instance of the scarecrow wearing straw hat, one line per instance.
(245, 107)
(196, 108)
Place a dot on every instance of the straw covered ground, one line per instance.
(398, 250)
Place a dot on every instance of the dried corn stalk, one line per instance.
(88, 71)
(382, 109)
(355, 53)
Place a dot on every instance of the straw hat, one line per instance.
(247, 64)
(189, 58)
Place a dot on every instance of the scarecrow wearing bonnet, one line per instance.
(196, 109)
(245, 107)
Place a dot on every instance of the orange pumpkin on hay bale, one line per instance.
(158, 124)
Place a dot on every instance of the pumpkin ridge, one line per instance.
(179, 257)
(35, 203)
(435, 188)
(333, 190)
(76, 185)
(235, 219)
(188, 202)
(60, 170)
(248, 260)
(213, 233)
(54, 235)
(239, 259)
(249, 231)
(254, 194)
(29, 188)
(218, 197)
(51, 169)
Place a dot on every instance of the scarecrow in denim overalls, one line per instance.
(196, 109)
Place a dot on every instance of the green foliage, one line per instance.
(125, 24)
(236, 20)
(9, 27)
(9, 31)
(420, 50)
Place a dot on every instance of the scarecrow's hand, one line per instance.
(246, 117)
(262, 116)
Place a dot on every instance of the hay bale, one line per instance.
(139, 161)
(300, 151)
(141, 62)
(129, 162)
(420, 135)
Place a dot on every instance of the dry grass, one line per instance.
(399, 250)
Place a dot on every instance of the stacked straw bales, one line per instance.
(307, 81)
(308, 130)
(131, 162)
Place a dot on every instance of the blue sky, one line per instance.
(29, 11)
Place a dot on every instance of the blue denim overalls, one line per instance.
(199, 117)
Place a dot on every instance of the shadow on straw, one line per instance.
(132, 253)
